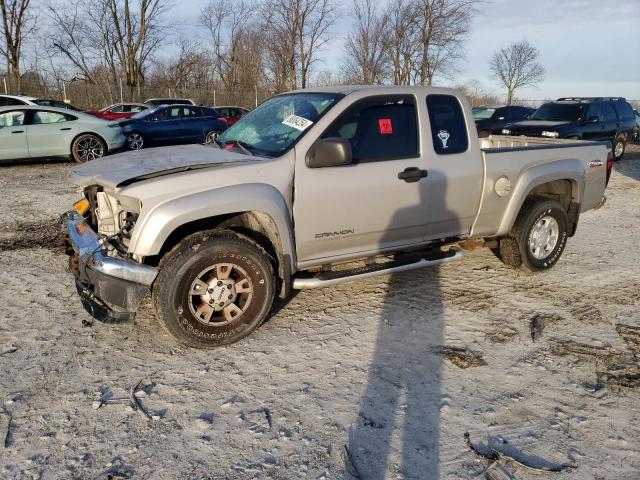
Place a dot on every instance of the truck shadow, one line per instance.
(398, 422)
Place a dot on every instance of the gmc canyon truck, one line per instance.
(315, 188)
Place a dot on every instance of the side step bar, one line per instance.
(327, 279)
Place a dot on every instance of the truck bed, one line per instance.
(518, 158)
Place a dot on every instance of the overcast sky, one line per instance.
(589, 47)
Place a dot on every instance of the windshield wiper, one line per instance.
(242, 145)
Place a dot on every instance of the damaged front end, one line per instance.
(110, 284)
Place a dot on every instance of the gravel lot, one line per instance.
(396, 369)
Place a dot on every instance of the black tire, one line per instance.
(87, 147)
(135, 141)
(209, 137)
(516, 248)
(619, 146)
(200, 256)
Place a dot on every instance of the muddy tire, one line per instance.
(214, 288)
(619, 147)
(537, 238)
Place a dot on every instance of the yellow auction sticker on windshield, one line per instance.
(299, 123)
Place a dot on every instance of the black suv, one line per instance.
(595, 118)
(492, 118)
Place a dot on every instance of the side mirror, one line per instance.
(329, 152)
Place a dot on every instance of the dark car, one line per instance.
(636, 136)
(583, 118)
(232, 114)
(493, 118)
(172, 125)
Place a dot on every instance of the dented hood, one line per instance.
(129, 167)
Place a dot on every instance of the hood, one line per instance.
(129, 167)
(539, 124)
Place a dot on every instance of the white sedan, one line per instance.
(31, 131)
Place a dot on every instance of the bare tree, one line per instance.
(477, 93)
(366, 58)
(296, 30)
(137, 33)
(237, 46)
(17, 23)
(517, 66)
(442, 27)
(400, 40)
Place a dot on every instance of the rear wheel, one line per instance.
(214, 288)
(88, 147)
(619, 146)
(538, 236)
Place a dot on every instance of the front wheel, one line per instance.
(214, 288)
(135, 141)
(538, 236)
(211, 136)
(87, 147)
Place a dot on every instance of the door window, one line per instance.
(608, 112)
(379, 128)
(118, 109)
(518, 113)
(501, 114)
(448, 126)
(191, 112)
(12, 119)
(136, 108)
(594, 111)
(41, 117)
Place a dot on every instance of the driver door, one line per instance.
(354, 210)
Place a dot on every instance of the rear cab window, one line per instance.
(448, 125)
(379, 128)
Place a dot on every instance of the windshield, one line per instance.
(273, 127)
(558, 112)
(482, 113)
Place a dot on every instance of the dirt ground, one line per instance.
(375, 379)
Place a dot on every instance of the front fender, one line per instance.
(567, 169)
(154, 227)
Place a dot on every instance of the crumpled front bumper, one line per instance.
(110, 288)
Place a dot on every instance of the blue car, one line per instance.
(172, 125)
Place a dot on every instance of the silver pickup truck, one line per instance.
(315, 188)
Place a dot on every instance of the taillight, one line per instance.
(223, 120)
(609, 166)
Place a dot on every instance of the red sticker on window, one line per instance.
(385, 126)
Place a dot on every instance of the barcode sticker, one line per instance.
(299, 123)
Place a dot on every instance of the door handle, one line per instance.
(17, 131)
(67, 128)
(412, 174)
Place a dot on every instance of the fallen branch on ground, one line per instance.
(496, 455)
(137, 405)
